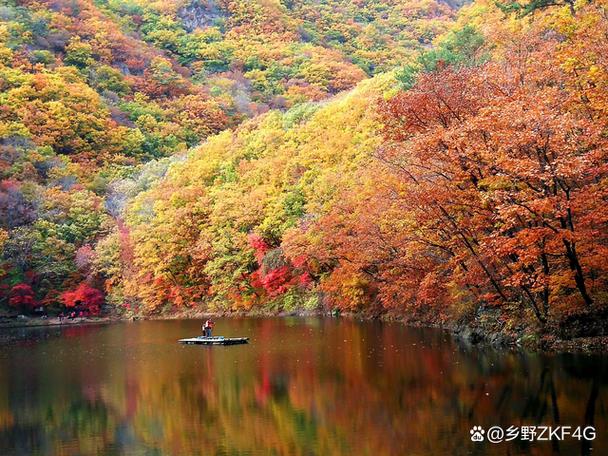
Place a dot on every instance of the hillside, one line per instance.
(90, 91)
(459, 182)
(471, 182)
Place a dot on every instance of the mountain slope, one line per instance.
(92, 90)
(471, 182)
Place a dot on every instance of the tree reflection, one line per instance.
(302, 387)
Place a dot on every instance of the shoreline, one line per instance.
(472, 335)
(34, 322)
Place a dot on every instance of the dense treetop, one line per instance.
(90, 91)
(365, 155)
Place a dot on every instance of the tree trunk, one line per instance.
(575, 266)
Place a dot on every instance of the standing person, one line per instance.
(208, 327)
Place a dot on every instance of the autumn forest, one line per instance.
(438, 161)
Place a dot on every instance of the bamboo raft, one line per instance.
(216, 340)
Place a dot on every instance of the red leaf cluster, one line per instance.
(85, 298)
(22, 297)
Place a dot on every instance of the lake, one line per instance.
(301, 387)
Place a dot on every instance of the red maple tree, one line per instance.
(22, 297)
(84, 297)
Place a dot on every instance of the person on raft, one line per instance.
(208, 327)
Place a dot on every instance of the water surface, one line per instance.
(301, 387)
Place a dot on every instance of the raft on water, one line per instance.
(216, 340)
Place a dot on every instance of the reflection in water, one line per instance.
(302, 387)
